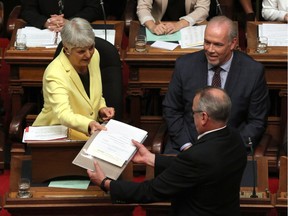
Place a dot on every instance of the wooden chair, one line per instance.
(11, 21)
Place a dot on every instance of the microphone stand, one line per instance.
(218, 7)
(104, 17)
(253, 195)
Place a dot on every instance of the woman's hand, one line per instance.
(95, 126)
(107, 113)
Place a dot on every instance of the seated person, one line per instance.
(241, 76)
(275, 10)
(151, 13)
(202, 180)
(53, 14)
(72, 87)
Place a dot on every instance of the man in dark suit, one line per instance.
(204, 179)
(241, 76)
(51, 14)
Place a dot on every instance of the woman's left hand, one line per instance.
(107, 113)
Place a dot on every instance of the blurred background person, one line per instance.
(275, 10)
(53, 14)
(157, 15)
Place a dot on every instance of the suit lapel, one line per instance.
(72, 73)
(234, 73)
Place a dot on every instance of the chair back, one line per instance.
(111, 74)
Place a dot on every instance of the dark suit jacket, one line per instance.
(203, 180)
(245, 85)
(36, 12)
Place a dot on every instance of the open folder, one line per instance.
(113, 149)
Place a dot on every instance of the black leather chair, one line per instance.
(111, 72)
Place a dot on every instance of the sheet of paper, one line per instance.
(74, 184)
(110, 34)
(277, 33)
(52, 132)
(115, 145)
(192, 36)
(164, 45)
(169, 37)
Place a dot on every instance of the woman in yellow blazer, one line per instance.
(72, 87)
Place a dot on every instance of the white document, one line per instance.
(41, 133)
(39, 37)
(164, 45)
(277, 34)
(192, 36)
(110, 34)
(115, 145)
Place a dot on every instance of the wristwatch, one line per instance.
(102, 185)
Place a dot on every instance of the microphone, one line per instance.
(253, 195)
(218, 9)
(104, 17)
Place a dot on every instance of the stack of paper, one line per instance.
(39, 133)
(108, 35)
(40, 37)
(277, 34)
(192, 36)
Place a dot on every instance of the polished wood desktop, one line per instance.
(27, 67)
(60, 201)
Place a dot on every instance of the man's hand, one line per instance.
(97, 175)
(143, 155)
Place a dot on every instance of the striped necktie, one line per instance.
(216, 80)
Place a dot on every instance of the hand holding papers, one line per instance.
(112, 149)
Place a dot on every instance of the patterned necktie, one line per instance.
(216, 80)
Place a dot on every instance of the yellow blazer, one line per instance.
(65, 99)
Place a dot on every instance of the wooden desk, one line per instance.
(275, 62)
(59, 201)
(27, 68)
(50, 160)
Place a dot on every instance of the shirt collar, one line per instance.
(207, 132)
(225, 67)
